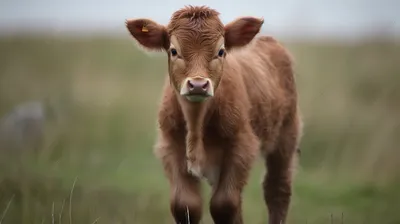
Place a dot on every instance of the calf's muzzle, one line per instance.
(197, 89)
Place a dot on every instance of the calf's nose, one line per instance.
(198, 86)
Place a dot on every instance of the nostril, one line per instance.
(205, 86)
(190, 85)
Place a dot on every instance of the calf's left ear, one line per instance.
(241, 31)
(148, 33)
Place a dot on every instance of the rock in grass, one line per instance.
(23, 128)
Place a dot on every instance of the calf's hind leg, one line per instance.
(277, 183)
(226, 202)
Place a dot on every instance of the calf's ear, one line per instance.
(148, 34)
(241, 31)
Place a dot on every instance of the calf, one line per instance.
(227, 96)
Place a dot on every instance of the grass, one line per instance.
(108, 92)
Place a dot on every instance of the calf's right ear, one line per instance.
(148, 33)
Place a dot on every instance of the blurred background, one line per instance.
(78, 104)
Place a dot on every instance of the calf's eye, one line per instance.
(221, 52)
(174, 52)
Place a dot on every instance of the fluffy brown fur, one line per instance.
(254, 109)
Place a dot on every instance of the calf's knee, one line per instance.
(186, 211)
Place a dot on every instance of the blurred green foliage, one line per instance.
(108, 91)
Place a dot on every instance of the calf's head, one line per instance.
(197, 43)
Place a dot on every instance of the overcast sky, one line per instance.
(313, 17)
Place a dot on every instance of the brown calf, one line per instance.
(226, 98)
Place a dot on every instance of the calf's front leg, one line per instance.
(226, 201)
(185, 194)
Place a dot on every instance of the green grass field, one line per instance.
(108, 92)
